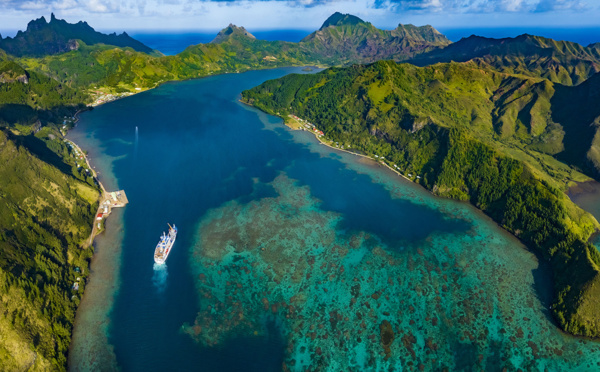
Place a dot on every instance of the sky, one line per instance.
(172, 15)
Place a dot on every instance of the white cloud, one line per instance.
(64, 4)
(101, 6)
(299, 14)
(482, 6)
(31, 5)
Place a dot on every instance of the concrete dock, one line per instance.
(108, 201)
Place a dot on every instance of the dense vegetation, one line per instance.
(47, 206)
(345, 39)
(496, 130)
(57, 36)
(46, 215)
(469, 134)
(562, 62)
(102, 68)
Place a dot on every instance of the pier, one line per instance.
(108, 201)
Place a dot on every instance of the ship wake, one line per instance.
(159, 278)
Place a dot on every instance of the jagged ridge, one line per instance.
(58, 36)
(558, 61)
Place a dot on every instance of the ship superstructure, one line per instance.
(165, 244)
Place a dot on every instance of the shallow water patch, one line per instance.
(348, 302)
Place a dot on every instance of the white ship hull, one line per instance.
(165, 245)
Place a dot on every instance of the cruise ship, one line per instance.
(165, 244)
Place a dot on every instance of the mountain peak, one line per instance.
(37, 24)
(232, 31)
(58, 36)
(421, 33)
(339, 19)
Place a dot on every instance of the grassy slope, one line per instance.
(562, 62)
(118, 70)
(471, 134)
(121, 70)
(47, 209)
(46, 214)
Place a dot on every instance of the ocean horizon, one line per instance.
(171, 42)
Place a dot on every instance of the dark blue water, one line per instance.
(193, 136)
(176, 42)
(200, 157)
(199, 148)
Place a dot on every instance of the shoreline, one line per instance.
(90, 348)
(158, 84)
(91, 316)
(343, 150)
(582, 188)
(101, 196)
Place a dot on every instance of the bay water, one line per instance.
(291, 255)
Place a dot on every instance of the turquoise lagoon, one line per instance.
(293, 256)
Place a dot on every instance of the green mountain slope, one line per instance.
(46, 214)
(47, 209)
(57, 36)
(28, 97)
(112, 69)
(577, 109)
(558, 61)
(345, 39)
(469, 134)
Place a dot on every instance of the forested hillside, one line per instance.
(562, 62)
(470, 134)
(47, 206)
(46, 215)
(102, 68)
(345, 39)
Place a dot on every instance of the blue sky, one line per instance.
(120, 15)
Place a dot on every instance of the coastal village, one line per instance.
(108, 200)
(103, 97)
